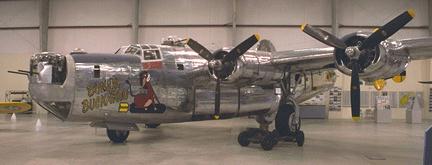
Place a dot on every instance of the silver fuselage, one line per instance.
(179, 77)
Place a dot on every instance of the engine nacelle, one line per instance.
(251, 68)
(384, 61)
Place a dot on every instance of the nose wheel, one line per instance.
(117, 136)
(268, 139)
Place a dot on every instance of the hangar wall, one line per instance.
(105, 25)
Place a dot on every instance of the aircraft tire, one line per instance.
(243, 138)
(300, 138)
(283, 118)
(152, 125)
(268, 142)
(117, 136)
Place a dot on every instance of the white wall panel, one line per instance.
(212, 38)
(377, 13)
(163, 12)
(282, 38)
(90, 12)
(19, 41)
(401, 34)
(19, 13)
(106, 40)
(13, 81)
(284, 12)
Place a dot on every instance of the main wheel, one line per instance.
(117, 136)
(275, 135)
(152, 125)
(268, 142)
(243, 138)
(300, 138)
(285, 120)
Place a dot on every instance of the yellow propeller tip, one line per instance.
(257, 36)
(411, 12)
(303, 26)
(376, 29)
(216, 117)
(356, 119)
(379, 84)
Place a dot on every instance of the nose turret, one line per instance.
(49, 83)
(49, 68)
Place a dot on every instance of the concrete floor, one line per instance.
(209, 142)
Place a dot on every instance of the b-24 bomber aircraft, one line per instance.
(182, 81)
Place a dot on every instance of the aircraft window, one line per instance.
(151, 55)
(131, 50)
(180, 67)
(145, 47)
(139, 53)
(96, 71)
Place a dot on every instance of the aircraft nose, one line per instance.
(49, 84)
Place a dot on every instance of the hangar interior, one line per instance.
(31, 26)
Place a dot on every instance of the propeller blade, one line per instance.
(323, 36)
(198, 48)
(217, 99)
(388, 29)
(355, 91)
(240, 49)
(425, 82)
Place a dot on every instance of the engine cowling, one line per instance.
(382, 62)
(250, 68)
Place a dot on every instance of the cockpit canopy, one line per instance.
(146, 52)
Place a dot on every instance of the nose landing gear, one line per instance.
(117, 136)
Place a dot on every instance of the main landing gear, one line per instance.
(287, 129)
(267, 139)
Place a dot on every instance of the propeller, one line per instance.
(355, 53)
(425, 82)
(221, 63)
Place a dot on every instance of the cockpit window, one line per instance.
(145, 52)
(151, 55)
(131, 50)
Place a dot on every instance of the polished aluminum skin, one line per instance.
(93, 87)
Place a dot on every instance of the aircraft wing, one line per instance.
(305, 59)
(323, 58)
(418, 48)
